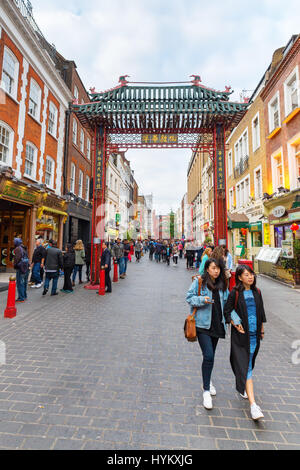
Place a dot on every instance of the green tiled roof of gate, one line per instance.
(163, 100)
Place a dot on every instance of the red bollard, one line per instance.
(115, 279)
(232, 281)
(11, 311)
(102, 282)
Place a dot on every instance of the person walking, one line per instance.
(219, 253)
(68, 266)
(138, 250)
(205, 257)
(168, 254)
(180, 248)
(21, 265)
(53, 263)
(79, 261)
(175, 254)
(210, 320)
(38, 259)
(247, 330)
(118, 256)
(106, 264)
(228, 262)
(151, 251)
(126, 255)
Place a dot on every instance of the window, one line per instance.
(241, 148)
(277, 171)
(74, 131)
(6, 144)
(258, 183)
(255, 133)
(52, 124)
(30, 160)
(81, 140)
(291, 92)
(80, 181)
(35, 100)
(230, 163)
(116, 185)
(49, 172)
(238, 196)
(72, 178)
(87, 188)
(274, 114)
(76, 93)
(242, 194)
(88, 148)
(10, 72)
(231, 199)
(247, 190)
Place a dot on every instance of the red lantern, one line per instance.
(294, 227)
(243, 231)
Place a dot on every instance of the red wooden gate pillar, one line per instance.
(99, 197)
(220, 206)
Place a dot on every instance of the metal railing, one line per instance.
(241, 167)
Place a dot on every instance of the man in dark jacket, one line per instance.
(126, 253)
(38, 260)
(21, 265)
(53, 263)
(106, 264)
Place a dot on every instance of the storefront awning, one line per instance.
(236, 220)
(43, 209)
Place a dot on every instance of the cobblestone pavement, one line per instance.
(115, 372)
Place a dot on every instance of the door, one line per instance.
(13, 223)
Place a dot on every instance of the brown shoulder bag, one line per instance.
(190, 322)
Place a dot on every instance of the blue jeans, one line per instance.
(208, 345)
(22, 280)
(54, 277)
(36, 273)
(121, 264)
(125, 264)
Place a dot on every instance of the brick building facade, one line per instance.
(33, 103)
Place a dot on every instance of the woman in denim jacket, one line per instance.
(210, 320)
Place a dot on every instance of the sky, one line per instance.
(226, 42)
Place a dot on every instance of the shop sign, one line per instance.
(269, 255)
(19, 193)
(294, 216)
(159, 139)
(279, 211)
(257, 227)
(267, 234)
(287, 248)
(220, 170)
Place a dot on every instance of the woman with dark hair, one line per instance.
(68, 265)
(210, 320)
(246, 302)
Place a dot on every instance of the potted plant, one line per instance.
(292, 265)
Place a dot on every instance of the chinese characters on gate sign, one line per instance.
(220, 170)
(159, 139)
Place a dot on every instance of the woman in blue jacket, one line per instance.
(210, 320)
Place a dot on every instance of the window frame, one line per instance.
(54, 133)
(80, 183)
(10, 147)
(88, 148)
(37, 115)
(255, 171)
(254, 148)
(272, 126)
(288, 105)
(34, 162)
(230, 167)
(72, 178)
(15, 78)
(81, 140)
(275, 157)
(87, 187)
(73, 131)
(48, 158)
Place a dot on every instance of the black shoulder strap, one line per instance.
(236, 298)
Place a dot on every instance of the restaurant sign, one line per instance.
(159, 139)
(19, 193)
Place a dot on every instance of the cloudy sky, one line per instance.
(226, 42)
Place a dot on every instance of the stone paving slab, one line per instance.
(115, 372)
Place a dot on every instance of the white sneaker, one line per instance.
(256, 412)
(38, 286)
(33, 287)
(245, 396)
(207, 401)
(212, 390)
